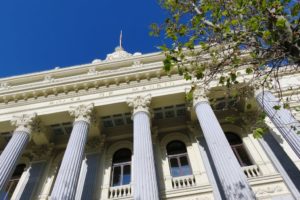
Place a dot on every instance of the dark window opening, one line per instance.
(12, 184)
(178, 159)
(238, 149)
(121, 168)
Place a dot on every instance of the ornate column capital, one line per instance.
(82, 112)
(24, 122)
(199, 95)
(139, 103)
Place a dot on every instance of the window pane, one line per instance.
(185, 167)
(116, 176)
(126, 175)
(244, 156)
(174, 167)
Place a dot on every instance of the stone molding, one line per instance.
(140, 103)
(83, 112)
(39, 153)
(199, 95)
(25, 122)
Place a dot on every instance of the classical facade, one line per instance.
(122, 128)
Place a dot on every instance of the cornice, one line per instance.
(83, 69)
(92, 90)
(92, 79)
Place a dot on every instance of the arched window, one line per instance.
(178, 159)
(238, 149)
(121, 164)
(12, 184)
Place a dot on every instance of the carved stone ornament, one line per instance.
(199, 95)
(269, 190)
(42, 152)
(92, 71)
(139, 103)
(4, 86)
(49, 79)
(25, 122)
(82, 112)
(95, 143)
(119, 53)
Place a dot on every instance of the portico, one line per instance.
(122, 128)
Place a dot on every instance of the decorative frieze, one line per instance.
(4, 86)
(139, 103)
(83, 112)
(25, 122)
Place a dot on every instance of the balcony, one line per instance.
(183, 182)
(117, 192)
(251, 171)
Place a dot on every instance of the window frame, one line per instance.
(122, 165)
(178, 156)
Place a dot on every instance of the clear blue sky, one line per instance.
(38, 35)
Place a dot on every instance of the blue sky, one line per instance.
(38, 35)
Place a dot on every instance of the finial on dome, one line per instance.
(121, 39)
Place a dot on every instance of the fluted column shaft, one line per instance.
(145, 180)
(281, 118)
(11, 155)
(16, 145)
(145, 185)
(69, 171)
(233, 180)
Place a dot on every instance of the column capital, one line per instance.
(139, 103)
(199, 95)
(82, 112)
(24, 122)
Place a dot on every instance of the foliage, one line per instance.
(221, 39)
(213, 37)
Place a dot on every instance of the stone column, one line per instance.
(15, 146)
(145, 185)
(69, 171)
(282, 118)
(233, 180)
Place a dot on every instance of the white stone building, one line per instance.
(121, 129)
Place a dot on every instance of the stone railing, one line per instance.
(122, 191)
(183, 182)
(251, 171)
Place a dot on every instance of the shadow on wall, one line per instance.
(284, 159)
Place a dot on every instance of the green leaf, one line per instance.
(286, 105)
(280, 23)
(167, 64)
(258, 133)
(234, 22)
(266, 35)
(277, 107)
(249, 70)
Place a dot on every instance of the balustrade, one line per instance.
(183, 182)
(251, 171)
(120, 192)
